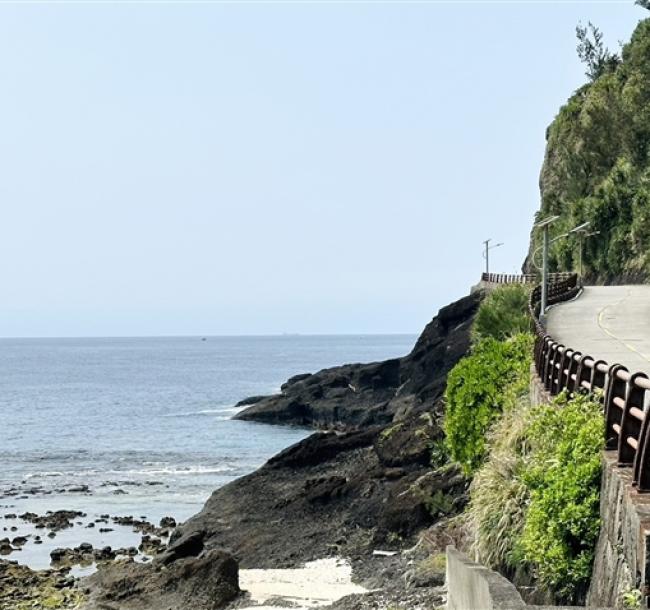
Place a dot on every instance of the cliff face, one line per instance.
(343, 492)
(597, 169)
(357, 395)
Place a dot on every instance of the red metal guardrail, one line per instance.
(625, 396)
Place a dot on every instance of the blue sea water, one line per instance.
(145, 423)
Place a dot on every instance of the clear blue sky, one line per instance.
(271, 167)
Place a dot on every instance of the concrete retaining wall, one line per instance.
(471, 586)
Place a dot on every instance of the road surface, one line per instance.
(611, 323)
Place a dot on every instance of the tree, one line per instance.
(643, 3)
(593, 52)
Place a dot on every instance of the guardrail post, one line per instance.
(598, 375)
(631, 422)
(563, 373)
(583, 374)
(614, 398)
(638, 385)
(556, 368)
(548, 365)
(572, 378)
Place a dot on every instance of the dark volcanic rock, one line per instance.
(206, 582)
(338, 491)
(409, 440)
(291, 511)
(54, 521)
(189, 545)
(357, 395)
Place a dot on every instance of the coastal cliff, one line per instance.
(596, 169)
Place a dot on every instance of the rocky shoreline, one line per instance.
(370, 487)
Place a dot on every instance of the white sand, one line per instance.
(318, 583)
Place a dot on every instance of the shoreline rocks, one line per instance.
(21, 587)
(368, 482)
(207, 581)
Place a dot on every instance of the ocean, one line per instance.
(142, 426)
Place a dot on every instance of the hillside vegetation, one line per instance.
(534, 500)
(597, 169)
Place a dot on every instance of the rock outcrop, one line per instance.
(369, 482)
(359, 395)
(207, 581)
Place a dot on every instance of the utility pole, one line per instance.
(544, 225)
(486, 254)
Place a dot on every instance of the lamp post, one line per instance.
(486, 254)
(544, 225)
(550, 242)
(581, 230)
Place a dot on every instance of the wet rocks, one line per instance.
(168, 523)
(21, 587)
(150, 545)
(85, 554)
(54, 521)
(82, 554)
(188, 545)
(77, 489)
(57, 555)
(205, 582)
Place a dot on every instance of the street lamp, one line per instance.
(486, 254)
(551, 241)
(544, 225)
(581, 230)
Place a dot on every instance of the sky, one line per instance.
(264, 168)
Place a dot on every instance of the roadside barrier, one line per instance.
(505, 278)
(528, 278)
(625, 396)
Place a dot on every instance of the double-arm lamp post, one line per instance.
(544, 225)
(486, 254)
(580, 230)
(582, 233)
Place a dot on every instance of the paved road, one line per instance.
(608, 322)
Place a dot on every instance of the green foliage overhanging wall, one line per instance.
(535, 502)
(478, 388)
(597, 169)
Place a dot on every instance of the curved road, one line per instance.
(607, 322)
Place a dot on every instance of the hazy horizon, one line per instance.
(224, 336)
(261, 169)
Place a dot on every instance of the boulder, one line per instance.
(207, 582)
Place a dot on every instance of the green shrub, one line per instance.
(499, 496)
(534, 504)
(563, 475)
(478, 388)
(503, 313)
